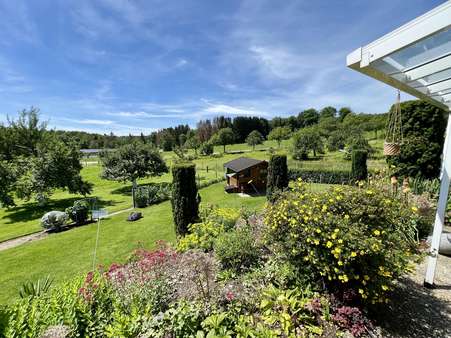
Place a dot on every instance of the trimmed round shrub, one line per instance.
(185, 201)
(54, 220)
(347, 238)
(359, 171)
(79, 212)
(277, 175)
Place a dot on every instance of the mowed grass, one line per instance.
(70, 253)
(24, 218)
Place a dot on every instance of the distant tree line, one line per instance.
(223, 130)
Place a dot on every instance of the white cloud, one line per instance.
(94, 122)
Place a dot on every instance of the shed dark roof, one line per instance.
(242, 163)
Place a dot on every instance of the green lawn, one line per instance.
(69, 253)
(114, 196)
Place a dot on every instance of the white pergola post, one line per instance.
(441, 208)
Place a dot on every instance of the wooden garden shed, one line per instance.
(246, 174)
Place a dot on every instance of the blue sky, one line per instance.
(132, 66)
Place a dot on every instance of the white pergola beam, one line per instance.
(440, 86)
(441, 208)
(431, 22)
(429, 68)
(413, 80)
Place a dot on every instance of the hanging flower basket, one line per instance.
(392, 149)
(393, 136)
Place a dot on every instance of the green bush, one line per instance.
(237, 250)
(202, 235)
(141, 197)
(320, 176)
(423, 131)
(347, 238)
(359, 171)
(79, 212)
(277, 179)
(185, 203)
(206, 148)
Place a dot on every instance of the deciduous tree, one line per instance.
(254, 138)
(279, 134)
(131, 162)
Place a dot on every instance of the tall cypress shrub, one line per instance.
(359, 170)
(277, 175)
(185, 202)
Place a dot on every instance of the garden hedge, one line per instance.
(321, 176)
(185, 202)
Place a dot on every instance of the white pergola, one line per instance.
(416, 58)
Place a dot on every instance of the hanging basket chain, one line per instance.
(393, 136)
(394, 123)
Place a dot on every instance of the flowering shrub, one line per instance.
(214, 222)
(357, 238)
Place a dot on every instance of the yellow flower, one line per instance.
(340, 241)
(384, 287)
(376, 232)
(414, 209)
(333, 236)
(340, 263)
(316, 242)
(346, 216)
(366, 277)
(353, 254)
(318, 230)
(329, 244)
(336, 230)
(361, 291)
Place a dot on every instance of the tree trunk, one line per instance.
(224, 148)
(314, 153)
(134, 186)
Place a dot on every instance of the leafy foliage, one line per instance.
(254, 138)
(206, 148)
(320, 176)
(237, 249)
(202, 235)
(132, 161)
(223, 137)
(423, 131)
(185, 198)
(359, 170)
(279, 134)
(36, 163)
(37, 289)
(305, 141)
(351, 238)
(79, 212)
(277, 179)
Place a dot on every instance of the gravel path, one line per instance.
(12, 243)
(417, 312)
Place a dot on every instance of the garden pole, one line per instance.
(441, 208)
(97, 243)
